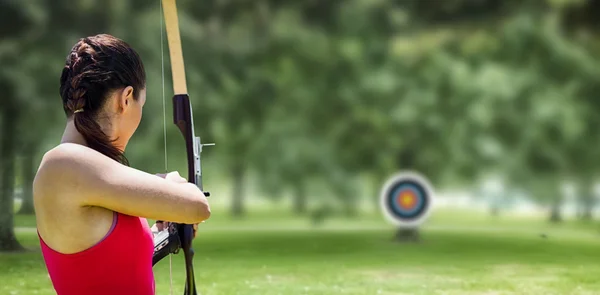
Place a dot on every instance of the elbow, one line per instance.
(198, 208)
(200, 211)
(203, 211)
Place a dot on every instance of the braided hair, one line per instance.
(95, 67)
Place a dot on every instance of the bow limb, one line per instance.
(175, 51)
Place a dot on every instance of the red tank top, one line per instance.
(121, 263)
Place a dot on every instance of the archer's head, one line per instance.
(103, 91)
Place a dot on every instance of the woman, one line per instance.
(90, 206)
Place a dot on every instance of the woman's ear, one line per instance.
(125, 98)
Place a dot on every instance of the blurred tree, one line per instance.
(319, 97)
(15, 21)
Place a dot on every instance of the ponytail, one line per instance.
(96, 138)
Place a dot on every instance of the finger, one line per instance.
(159, 226)
(175, 177)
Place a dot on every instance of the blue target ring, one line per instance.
(421, 202)
(419, 199)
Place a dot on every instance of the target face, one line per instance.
(406, 199)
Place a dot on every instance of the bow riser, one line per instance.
(182, 117)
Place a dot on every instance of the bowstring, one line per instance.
(162, 72)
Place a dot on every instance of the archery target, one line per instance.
(406, 199)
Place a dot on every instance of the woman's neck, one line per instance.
(71, 135)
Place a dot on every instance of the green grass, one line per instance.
(270, 253)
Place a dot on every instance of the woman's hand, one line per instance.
(163, 225)
(160, 226)
(175, 177)
(172, 176)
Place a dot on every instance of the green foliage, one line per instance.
(306, 93)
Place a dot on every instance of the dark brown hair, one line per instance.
(97, 66)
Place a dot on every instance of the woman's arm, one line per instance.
(89, 178)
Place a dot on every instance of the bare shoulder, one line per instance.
(67, 166)
(70, 159)
(70, 154)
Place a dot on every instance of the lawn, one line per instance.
(267, 253)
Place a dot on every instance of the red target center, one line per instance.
(406, 199)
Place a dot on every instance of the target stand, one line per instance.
(406, 201)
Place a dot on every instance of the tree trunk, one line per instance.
(319, 215)
(8, 240)
(586, 201)
(29, 169)
(377, 182)
(587, 207)
(555, 213)
(349, 201)
(300, 198)
(345, 192)
(239, 192)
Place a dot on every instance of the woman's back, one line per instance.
(94, 250)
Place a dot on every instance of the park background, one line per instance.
(312, 106)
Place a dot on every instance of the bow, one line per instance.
(180, 236)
